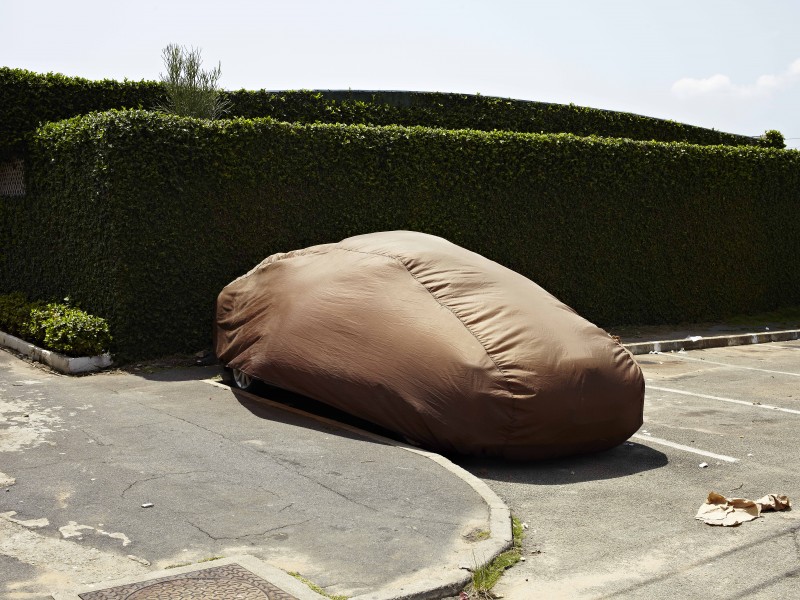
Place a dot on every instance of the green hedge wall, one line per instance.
(29, 99)
(142, 218)
(462, 111)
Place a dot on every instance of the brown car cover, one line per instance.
(435, 342)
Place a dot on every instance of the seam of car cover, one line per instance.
(506, 381)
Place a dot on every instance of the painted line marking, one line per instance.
(655, 440)
(732, 400)
(712, 362)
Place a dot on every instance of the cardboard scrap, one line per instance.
(729, 512)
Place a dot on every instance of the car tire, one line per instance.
(242, 380)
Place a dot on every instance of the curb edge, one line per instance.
(719, 341)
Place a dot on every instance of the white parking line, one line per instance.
(712, 362)
(655, 440)
(732, 400)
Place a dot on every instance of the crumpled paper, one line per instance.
(729, 512)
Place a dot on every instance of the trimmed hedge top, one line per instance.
(30, 99)
(463, 111)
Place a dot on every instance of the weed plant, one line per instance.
(191, 91)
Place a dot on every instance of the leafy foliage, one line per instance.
(57, 327)
(69, 330)
(29, 99)
(154, 214)
(15, 313)
(191, 91)
(772, 139)
(462, 111)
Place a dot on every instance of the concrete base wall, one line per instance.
(63, 364)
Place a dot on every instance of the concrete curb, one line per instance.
(63, 364)
(700, 343)
(435, 587)
(500, 537)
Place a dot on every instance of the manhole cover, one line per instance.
(228, 582)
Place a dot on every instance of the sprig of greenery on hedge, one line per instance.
(54, 326)
(154, 214)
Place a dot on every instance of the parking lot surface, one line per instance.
(82, 458)
(621, 524)
(115, 476)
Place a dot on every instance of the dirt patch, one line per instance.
(24, 423)
(61, 564)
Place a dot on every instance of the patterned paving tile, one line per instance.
(228, 582)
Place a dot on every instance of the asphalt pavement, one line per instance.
(620, 524)
(119, 475)
(115, 475)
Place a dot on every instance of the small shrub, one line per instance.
(69, 330)
(15, 312)
(57, 327)
(772, 139)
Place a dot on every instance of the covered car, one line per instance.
(442, 345)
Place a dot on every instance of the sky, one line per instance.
(731, 65)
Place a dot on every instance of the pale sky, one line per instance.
(733, 65)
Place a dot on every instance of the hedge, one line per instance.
(463, 111)
(30, 99)
(148, 216)
(15, 312)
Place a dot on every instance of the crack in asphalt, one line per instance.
(201, 530)
(295, 467)
(192, 423)
(292, 466)
(247, 535)
(283, 462)
(160, 476)
(96, 440)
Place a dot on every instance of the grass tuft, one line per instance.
(314, 587)
(209, 559)
(485, 577)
